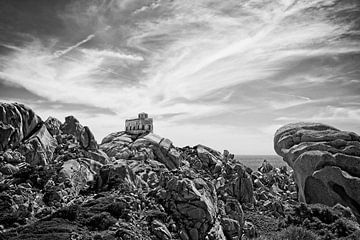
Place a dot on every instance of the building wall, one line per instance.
(139, 125)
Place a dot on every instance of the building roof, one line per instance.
(136, 119)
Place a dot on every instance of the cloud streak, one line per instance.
(69, 49)
(251, 64)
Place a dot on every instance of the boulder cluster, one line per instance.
(57, 182)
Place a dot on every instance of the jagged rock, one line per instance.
(160, 230)
(13, 156)
(233, 221)
(17, 205)
(69, 148)
(216, 232)
(231, 227)
(330, 185)
(53, 126)
(119, 173)
(79, 172)
(151, 146)
(120, 137)
(39, 148)
(116, 145)
(238, 183)
(82, 134)
(135, 186)
(16, 123)
(149, 171)
(56, 228)
(227, 155)
(265, 167)
(249, 230)
(326, 163)
(209, 157)
(192, 203)
(97, 155)
(161, 148)
(8, 169)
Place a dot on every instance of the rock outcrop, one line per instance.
(133, 147)
(83, 134)
(53, 126)
(137, 186)
(192, 203)
(56, 182)
(326, 163)
(39, 148)
(16, 123)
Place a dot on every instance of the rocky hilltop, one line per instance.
(57, 182)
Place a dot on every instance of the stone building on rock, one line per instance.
(142, 124)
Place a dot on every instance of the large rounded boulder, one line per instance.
(326, 163)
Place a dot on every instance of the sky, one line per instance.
(226, 74)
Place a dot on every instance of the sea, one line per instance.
(255, 161)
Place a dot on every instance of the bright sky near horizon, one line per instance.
(226, 74)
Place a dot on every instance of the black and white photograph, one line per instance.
(179, 119)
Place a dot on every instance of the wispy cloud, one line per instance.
(253, 63)
(69, 49)
(110, 54)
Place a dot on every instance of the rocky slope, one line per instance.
(57, 182)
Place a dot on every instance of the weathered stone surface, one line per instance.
(82, 134)
(265, 167)
(249, 230)
(192, 203)
(13, 156)
(216, 232)
(116, 145)
(151, 146)
(208, 156)
(79, 172)
(326, 163)
(134, 186)
(53, 126)
(39, 148)
(160, 230)
(231, 227)
(16, 123)
(330, 185)
(118, 173)
(8, 169)
(238, 183)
